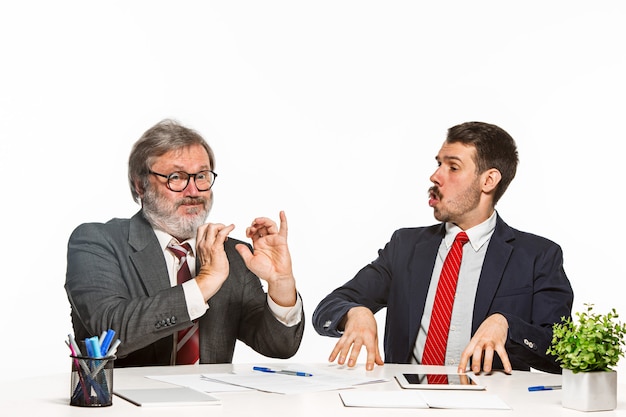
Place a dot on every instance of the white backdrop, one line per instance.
(330, 110)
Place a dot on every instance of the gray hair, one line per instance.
(165, 136)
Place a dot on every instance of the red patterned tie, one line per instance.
(188, 346)
(437, 338)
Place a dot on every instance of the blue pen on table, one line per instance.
(544, 387)
(280, 371)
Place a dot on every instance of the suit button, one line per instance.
(530, 344)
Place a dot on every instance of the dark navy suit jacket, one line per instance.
(522, 278)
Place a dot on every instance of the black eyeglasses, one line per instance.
(179, 180)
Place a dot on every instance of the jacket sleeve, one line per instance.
(242, 298)
(106, 291)
(370, 288)
(550, 299)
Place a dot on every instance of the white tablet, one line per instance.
(466, 381)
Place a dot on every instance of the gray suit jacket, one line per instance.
(117, 279)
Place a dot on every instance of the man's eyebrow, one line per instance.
(178, 167)
(451, 158)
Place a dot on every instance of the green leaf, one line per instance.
(593, 343)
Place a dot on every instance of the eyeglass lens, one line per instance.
(178, 181)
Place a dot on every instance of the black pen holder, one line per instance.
(92, 381)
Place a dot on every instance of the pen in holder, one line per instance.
(92, 379)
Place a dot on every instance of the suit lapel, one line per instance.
(421, 271)
(147, 258)
(496, 259)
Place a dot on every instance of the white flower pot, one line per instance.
(589, 391)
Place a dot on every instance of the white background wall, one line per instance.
(330, 110)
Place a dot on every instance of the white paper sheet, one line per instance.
(323, 379)
(198, 382)
(423, 399)
(164, 397)
(383, 399)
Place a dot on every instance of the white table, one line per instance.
(49, 396)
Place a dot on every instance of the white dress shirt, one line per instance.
(196, 306)
(463, 307)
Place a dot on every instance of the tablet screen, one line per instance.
(450, 380)
(440, 379)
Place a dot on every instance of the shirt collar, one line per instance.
(165, 239)
(478, 235)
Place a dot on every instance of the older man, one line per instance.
(165, 281)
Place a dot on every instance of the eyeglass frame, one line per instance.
(189, 176)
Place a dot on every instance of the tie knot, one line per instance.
(180, 251)
(462, 238)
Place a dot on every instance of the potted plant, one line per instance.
(588, 349)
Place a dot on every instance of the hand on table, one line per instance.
(360, 330)
(489, 338)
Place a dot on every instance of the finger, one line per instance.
(477, 358)
(464, 360)
(379, 359)
(354, 353)
(244, 252)
(338, 352)
(283, 224)
(488, 360)
(504, 357)
(200, 233)
(207, 232)
(217, 234)
(334, 353)
(372, 358)
(261, 227)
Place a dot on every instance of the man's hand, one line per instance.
(489, 338)
(360, 330)
(271, 260)
(214, 265)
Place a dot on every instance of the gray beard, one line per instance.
(161, 215)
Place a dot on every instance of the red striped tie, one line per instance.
(188, 345)
(437, 338)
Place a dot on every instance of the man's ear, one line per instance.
(491, 179)
(139, 188)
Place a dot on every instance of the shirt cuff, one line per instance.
(196, 306)
(289, 316)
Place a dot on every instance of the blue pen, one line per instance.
(113, 349)
(95, 346)
(106, 343)
(544, 387)
(89, 348)
(280, 371)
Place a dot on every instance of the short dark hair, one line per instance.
(161, 138)
(495, 148)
